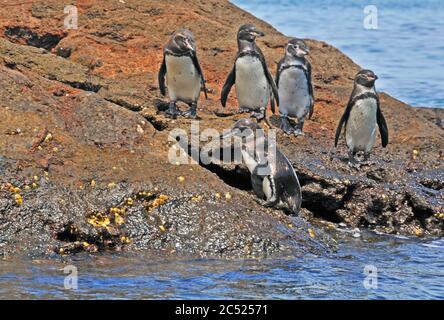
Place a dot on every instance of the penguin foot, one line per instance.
(258, 115)
(367, 161)
(298, 132)
(352, 163)
(190, 113)
(286, 126)
(243, 110)
(299, 128)
(172, 111)
(266, 204)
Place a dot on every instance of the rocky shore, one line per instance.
(84, 154)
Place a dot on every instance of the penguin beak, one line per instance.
(307, 51)
(258, 33)
(188, 45)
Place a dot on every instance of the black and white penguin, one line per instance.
(293, 79)
(254, 83)
(184, 76)
(273, 178)
(362, 117)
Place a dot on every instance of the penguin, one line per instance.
(293, 79)
(273, 178)
(184, 76)
(254, 83)
(362, 117)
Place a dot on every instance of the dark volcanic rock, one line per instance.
(84, 152)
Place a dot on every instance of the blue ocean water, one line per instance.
(406, 50)
(402, 268)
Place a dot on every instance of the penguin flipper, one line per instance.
(289, 186)
(274, 90)
(229, 82)
(161, 77)
(310, 90)
(273, 108)
(343, 120)
(200, 72)
(256, 183)
(278, 72)
(382, 124)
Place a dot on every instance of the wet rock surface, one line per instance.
(84, 152)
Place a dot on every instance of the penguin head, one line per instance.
(182, 41)
(249, 32)
(242, 128)
(366, 78)
(297, 48)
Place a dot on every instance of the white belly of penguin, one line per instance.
(294, 97)
(252, 88)
(183, 80)
(361, 126)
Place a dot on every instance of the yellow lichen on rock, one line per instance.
(99, 220)
(15, 189)
(419, 232)
(197, 198)
(18, 199)
(111, 185)
(125, 239)
(48, 137)
(118, 219)
(311, 233)
(160, 200)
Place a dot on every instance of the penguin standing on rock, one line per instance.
(293, 80)
(362, 117)
(184, 76)
(254, 83)
(273, 178)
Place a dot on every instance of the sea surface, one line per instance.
(402, 268)
(406, 50)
